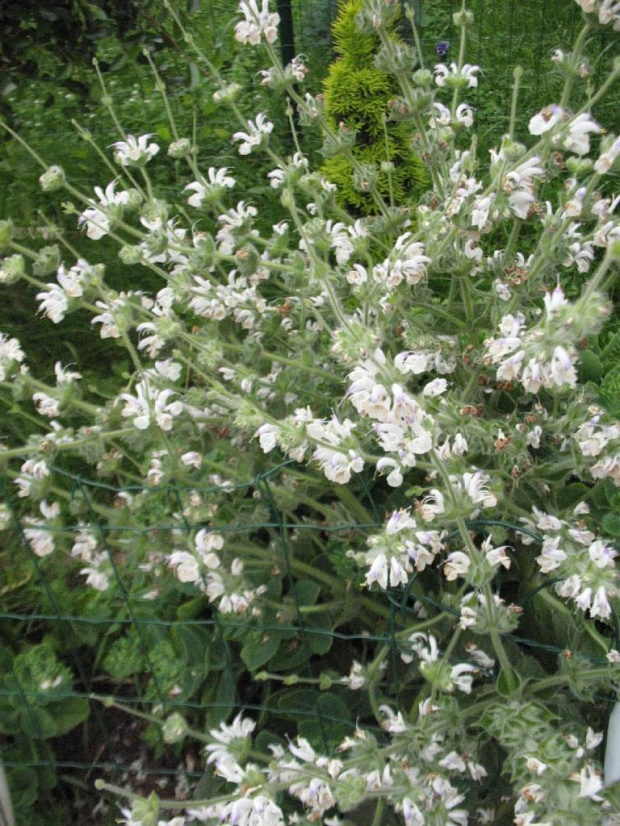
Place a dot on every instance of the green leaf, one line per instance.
(191, 642)
(611, 524)
(217, 657)
(192, 609)
(589, 367)
(305, 592)
(568, 496)
(260, 650)
(37, 723)
(319, 643)
(329, 721)
(504, 688)
(69, 713)
(226, 695)
(290, 655)
(24, 788)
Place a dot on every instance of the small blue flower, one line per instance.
(442, 48)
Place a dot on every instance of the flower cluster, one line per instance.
(400, 426)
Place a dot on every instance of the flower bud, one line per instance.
(52, 179)
(180, 149)
(130, 255)
(423, 77)
(11, 269)
(134, 200)
(175, 729)
(579, 166)
(227, 94)
(47, 261)
(463, 18)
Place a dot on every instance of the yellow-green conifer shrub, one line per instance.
(356, 97)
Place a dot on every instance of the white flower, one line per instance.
(54, 303)
(255, 137)
(186, 567)
(46, 405)
(65, 376)
(435, 387)
(257, 23)
(97, 223)
(41, 541)
(462, 677)
(457, 565)
(135, 151)
(395, 477)
(192, 459)
(579, 131)
(546, 119)
(445, 76)
(218, 180)
(465, 115)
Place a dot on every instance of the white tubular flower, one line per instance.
(579, 131)
(436, 387)
(465, 115)
(457, 565)
(546, 119)
(218, 181)
(135, 151)
(46, 405)
(395, 477)
(65, 376)
(475, 486)
(452, 77)
(41, 541)
(258, 133)
(257, 23)
(186, 566)
(53, 303)
(165, 411)
(462, 677)
(338, 466)
(11, 355)
(267, 435)
(97, 223)
(607, 158)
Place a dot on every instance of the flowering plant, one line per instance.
(427, 359)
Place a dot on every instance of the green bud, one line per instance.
(11, 269)
(130, 255)
(175, 729)
(47, 261)
(227, 94)
(512, 149)
(423, 77)
(463, 18)
(579, 166)
(6, 233)
(365, 178)
(146, 812)
(135, 199)
(52, 179)
(325, 682)
(180, 149)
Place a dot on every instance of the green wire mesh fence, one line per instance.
(163, 650)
